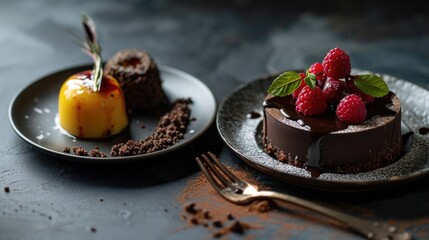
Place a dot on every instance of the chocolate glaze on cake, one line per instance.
(325, 143)
(139, 78)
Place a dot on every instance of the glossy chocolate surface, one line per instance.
(324, 142)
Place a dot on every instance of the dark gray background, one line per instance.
(223, 43)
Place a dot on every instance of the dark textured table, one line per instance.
(225, 44)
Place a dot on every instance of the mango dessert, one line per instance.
(85, 113)
(91, 104)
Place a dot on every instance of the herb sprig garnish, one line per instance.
(372, 85)
(287, 82)
(91, 47)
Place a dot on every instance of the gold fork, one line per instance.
(238, 191)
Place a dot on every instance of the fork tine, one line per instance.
(209, 177)
(228, 173)
(216, 172)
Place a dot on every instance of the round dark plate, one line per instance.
(243, 135)
(33, 112)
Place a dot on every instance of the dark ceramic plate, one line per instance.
(239, 124)
(33, 112)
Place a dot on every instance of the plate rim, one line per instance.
(110, 159)
(311, 183)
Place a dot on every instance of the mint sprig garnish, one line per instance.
(285, 84)
(372, 85)
(310, 79)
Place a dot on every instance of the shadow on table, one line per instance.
(167, 168)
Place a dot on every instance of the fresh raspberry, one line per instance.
(334, 90)
(303, 84)
(351, 109)
(351, 88)
(316, 68)
(337, 64)
(311, 101)
(321, 81)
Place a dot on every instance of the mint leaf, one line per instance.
(285, 84)
(371, 84)
(310, 80)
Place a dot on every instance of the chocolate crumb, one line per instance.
(97, 153)
(7, 189)
(142, 126)
(218, 224)
(230, 216)
(80, 151)
(237, 227)
(190, 208)
(194, 221)
(66, 149)
(101, 200)
(207, 214)
(171, 128)
(93, 229)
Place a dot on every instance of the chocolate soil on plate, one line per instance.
(171, 128)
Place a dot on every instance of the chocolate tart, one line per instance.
(323, 143)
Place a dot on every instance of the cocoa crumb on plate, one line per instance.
(97, 153)
(80, 151)
(66, 149)
(171, 128)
